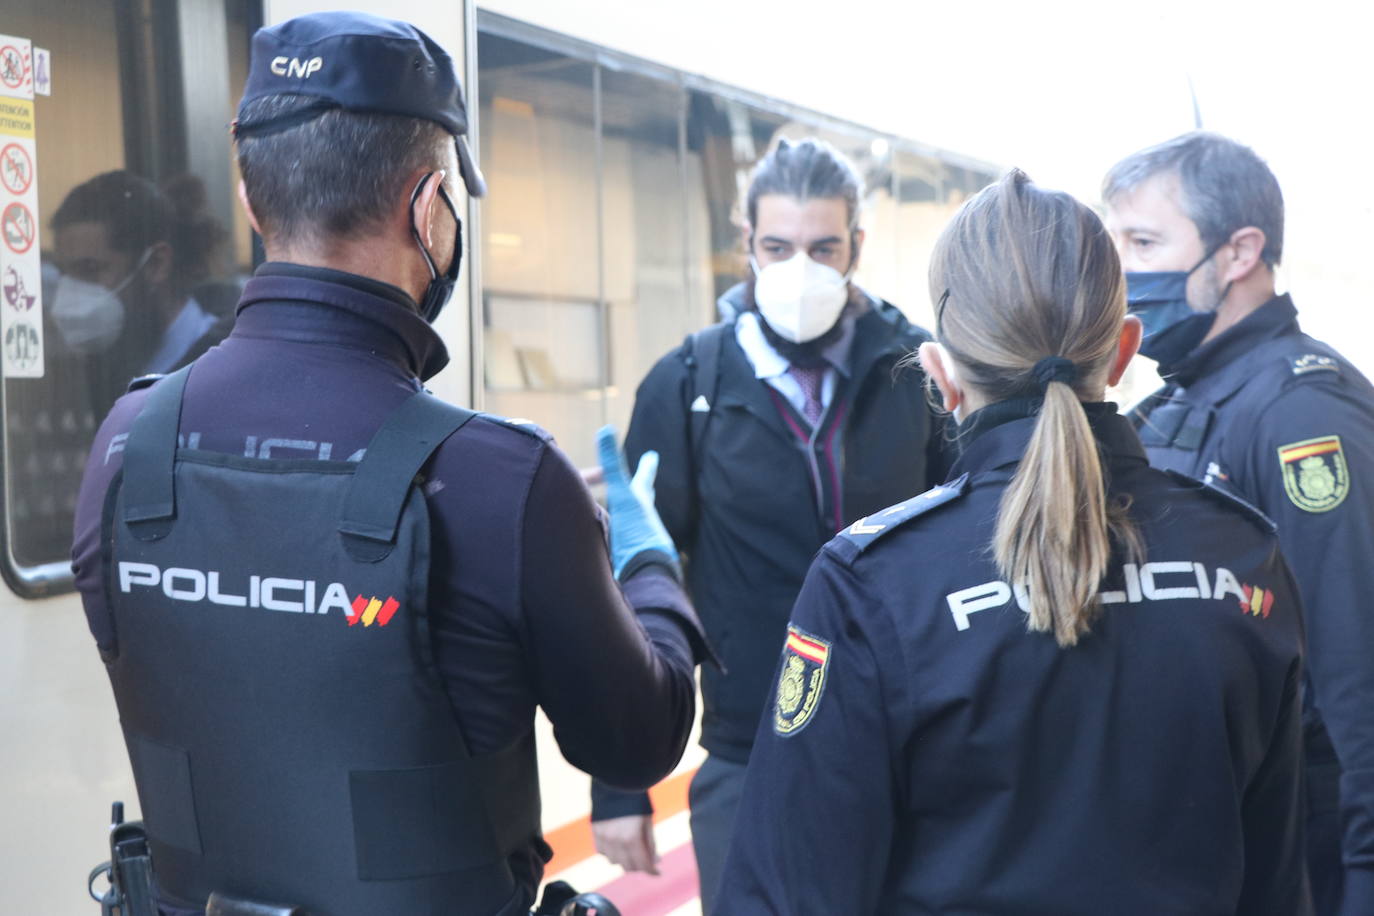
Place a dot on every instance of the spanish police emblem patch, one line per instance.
(805, 659)
(1315, 475)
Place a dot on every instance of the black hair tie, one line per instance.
(1054, 369)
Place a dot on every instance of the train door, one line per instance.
(122, 252)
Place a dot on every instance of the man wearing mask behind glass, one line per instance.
(775, 429)
(1256, 407)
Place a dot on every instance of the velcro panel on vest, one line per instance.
(173, 805)
(402, 818)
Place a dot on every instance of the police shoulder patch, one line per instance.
(871, 527)
(801, 683)
(1315, 475)
(144, 381)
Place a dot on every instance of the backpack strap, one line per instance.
(149, 481)
(381, 484)
(702, 354)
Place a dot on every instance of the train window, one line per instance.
(541, 254)
(654, 296)
(726, 137)
(139, 251)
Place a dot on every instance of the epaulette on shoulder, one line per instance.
(1313, 364)
(867, 530)
(520, 424)
(1230, 500)
(144, 381)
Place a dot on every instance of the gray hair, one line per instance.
(337, 175)
(1226, 187)
(807, 170)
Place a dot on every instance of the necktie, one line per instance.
(810, 382)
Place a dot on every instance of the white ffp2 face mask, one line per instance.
(89, 316)
(799, 298)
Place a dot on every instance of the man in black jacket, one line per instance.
(775, 430)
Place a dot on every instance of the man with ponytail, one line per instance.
(777, 428)
(1256, 407)
(1062, 681)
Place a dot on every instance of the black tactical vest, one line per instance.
(1185, 431)
(289, 735)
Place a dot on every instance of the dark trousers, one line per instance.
(1324, 834)
(714, 798)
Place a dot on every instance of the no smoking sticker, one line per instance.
(18, 227)
(16, 169)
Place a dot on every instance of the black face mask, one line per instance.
(440, 288)
(1173, 329)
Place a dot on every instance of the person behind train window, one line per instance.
(775, 429)
(1063, 681)
(328, 677)
(1253, 405)
(135, 295)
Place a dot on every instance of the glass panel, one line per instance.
(543, 315)
(653, 300)
(141, 259)
(724, 140)
(929, 192)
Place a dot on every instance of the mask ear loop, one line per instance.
(415, 230)
(142, 262)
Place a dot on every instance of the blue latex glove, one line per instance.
(635, 525)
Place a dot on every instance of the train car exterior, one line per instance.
(608, 231)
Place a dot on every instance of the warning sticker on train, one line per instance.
(16, 168)
(17, 227)
(16, 67)
(15, 290)
(22, 345)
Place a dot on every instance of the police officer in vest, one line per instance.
(1063, 681)
(329, 603)
(776, 428)
(1253, 405)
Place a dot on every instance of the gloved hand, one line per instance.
(635, 525)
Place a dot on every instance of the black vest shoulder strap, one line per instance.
(394, 457)
(149, 456)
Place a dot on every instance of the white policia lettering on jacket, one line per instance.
(1161, 581)
(266, 592)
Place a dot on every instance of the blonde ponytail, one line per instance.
(1052, 530)
(1034, 301)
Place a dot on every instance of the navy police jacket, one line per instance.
(523, 608)
(923, 753)
(1285, 422)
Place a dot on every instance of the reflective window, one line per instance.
(140, 253)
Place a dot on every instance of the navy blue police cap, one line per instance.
(357, 62)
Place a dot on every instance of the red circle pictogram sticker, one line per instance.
(16, 168)
(18, 228)
(11, 67)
